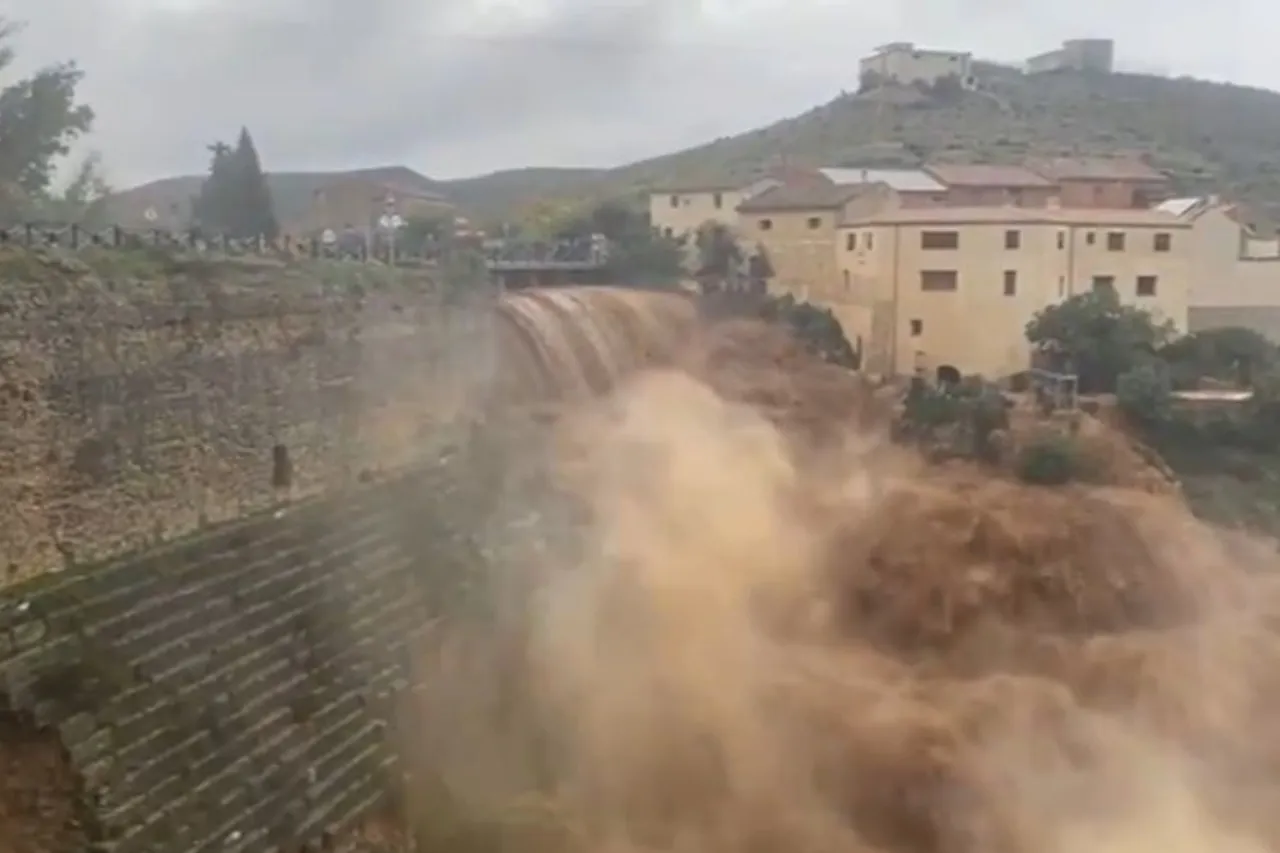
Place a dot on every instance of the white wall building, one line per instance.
(904, 63)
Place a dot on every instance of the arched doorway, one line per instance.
(948, 375)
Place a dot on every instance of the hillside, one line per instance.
(291, 192)
(1208, 135)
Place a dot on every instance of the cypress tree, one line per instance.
(234, 199)
(213, 206)
(255, 214)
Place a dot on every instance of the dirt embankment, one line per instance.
(780, 632)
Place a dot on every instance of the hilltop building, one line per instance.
(1096, 55)
(905, 64)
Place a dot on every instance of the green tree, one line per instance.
(255, 215)
(616, 220)
(423, 234)
(1144, 394)
(817, 327)
(1236, 355)
(719, 255)
(215, 204)
(39, 120)
(1096, 337)
(82, 201)
(638, 255)
(234, 199)
(645, 259)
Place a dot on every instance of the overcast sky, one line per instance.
(459, 87)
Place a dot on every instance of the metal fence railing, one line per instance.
(353, 245)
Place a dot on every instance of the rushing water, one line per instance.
(578, 342)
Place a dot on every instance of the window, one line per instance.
(718, 200)
(814, 223)
(851, 241)
(1091, 238)
(1012, 239)
(869, 240)
(1115, 241)
(939, 239)
(1146, 285)
(766, 224)
(1162, 242)
(675, 201)
(668, 233)
(1062, 239)
(1103, 282)
(848, 287)
(1010, 282)
(939, 280)
(1062, 287)
(917, 328)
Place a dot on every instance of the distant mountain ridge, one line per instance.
(1210, 137)
(292, 192)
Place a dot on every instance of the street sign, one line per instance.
(150, 215)
(390, 221)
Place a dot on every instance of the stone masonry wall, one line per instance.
(141, 401)
(231, 691)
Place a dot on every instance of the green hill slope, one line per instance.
(1207, 135)
(291, 193)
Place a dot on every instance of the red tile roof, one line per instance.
(1097, 169)
(802, 197)
(987, 175)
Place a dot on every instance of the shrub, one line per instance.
(1048, 460)
(1144, 394)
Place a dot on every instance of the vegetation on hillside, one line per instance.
(1208, 136)
(1224, 450)
(638, 255)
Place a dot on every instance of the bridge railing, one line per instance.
(352, 245)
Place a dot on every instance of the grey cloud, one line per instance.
(337, 84)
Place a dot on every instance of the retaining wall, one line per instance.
(231, 691)
(141, 403)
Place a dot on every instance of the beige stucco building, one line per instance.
(985, 185)
(797, 225)
(1235, 270)
(1115, 182)
(905, 63)
(1091, 54)
(680, 211)
(956, 286)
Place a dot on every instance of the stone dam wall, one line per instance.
(140, 405)
(232, 691)
(223, 493)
